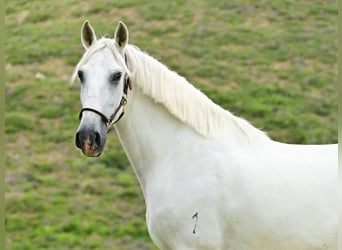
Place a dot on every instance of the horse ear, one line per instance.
(88, 36)
(121, 35)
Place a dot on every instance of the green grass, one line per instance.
(271, 62)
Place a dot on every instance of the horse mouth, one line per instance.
(90, 150)
(91, 153)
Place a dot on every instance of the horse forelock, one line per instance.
(97, 46)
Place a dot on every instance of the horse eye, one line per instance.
(115, 77)
(80, 75)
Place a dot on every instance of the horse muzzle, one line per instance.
(91, 141)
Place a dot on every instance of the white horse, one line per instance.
(210, 179)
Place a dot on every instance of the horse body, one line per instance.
(210, 179)
(267, 195)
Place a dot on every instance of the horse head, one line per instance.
(104, 79)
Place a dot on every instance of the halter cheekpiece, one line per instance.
(110, 121)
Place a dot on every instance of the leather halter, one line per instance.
(110, 121)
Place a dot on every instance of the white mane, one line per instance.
(183, 100)
(176, 94)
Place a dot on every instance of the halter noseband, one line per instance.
(110, 121)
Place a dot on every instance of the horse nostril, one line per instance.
(77, 140)
(97, 139)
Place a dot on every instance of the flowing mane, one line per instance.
(183, 100)
(176, 94)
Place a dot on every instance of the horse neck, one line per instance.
(148, 132)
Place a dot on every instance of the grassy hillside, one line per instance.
(271, 62)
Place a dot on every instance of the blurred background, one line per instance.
(272, 62)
